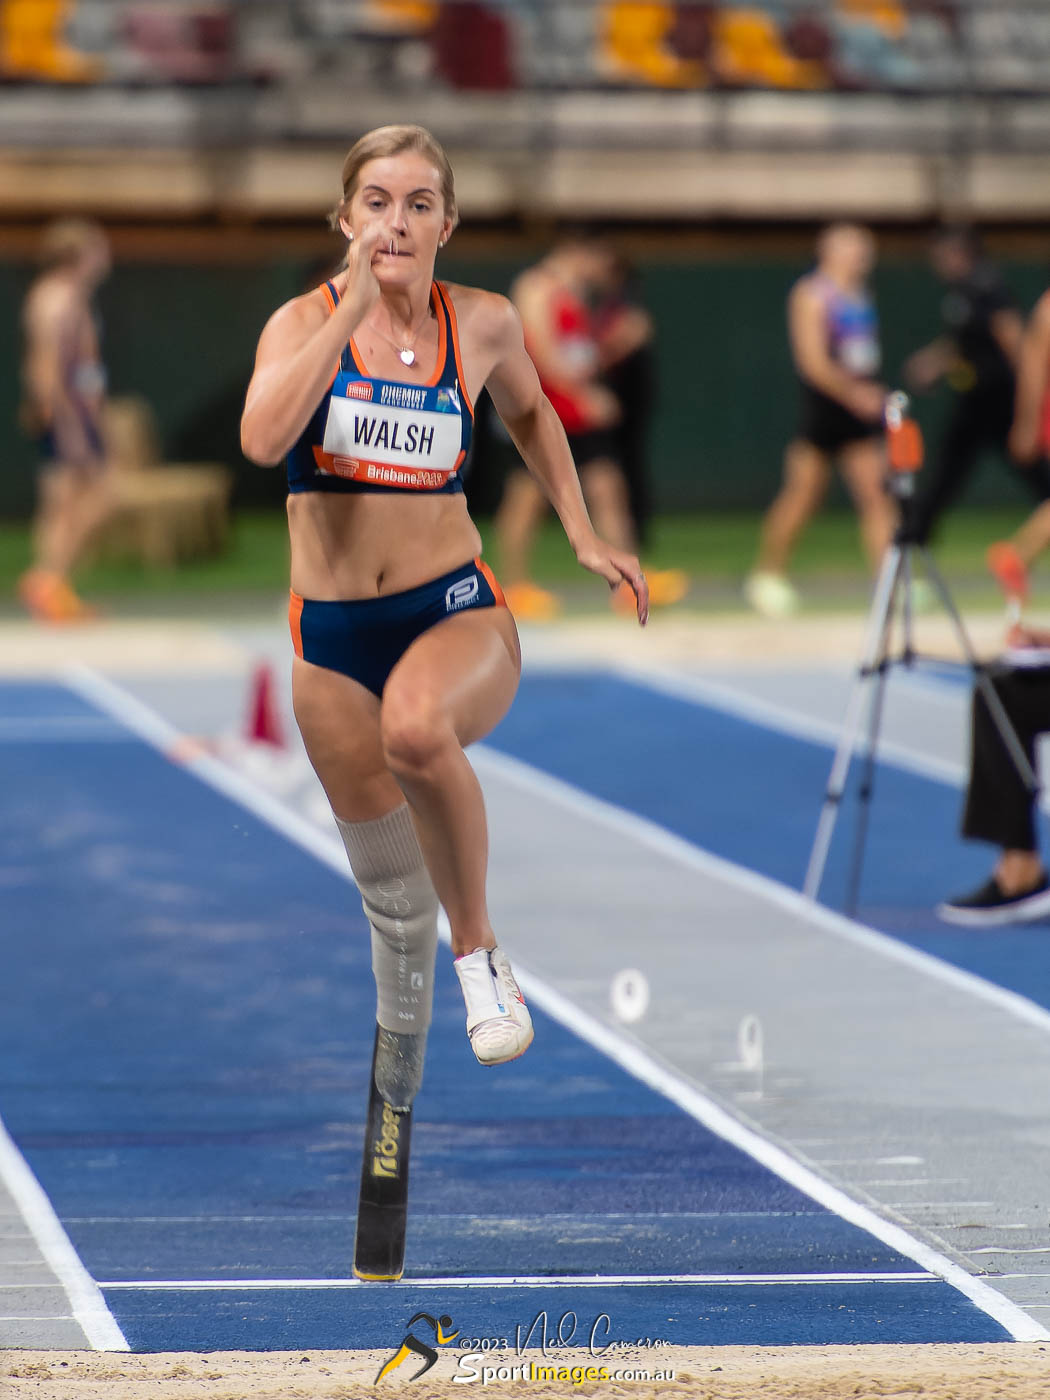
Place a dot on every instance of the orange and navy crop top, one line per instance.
(372, 434)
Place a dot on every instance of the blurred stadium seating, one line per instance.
(502, 79)
(827, 45)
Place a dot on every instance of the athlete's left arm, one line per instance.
(514, 388)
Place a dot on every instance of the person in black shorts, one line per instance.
(977, 356)
(835, 346)
(1000, 809)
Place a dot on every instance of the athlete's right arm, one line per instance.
(815, 365)
(298, 354)
(1033, 382)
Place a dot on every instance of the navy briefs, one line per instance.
(365, 638)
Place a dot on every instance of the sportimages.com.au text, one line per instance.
(475, 1366)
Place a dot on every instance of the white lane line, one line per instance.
(642, 831)
(51, 1317)
(770, 715)
(1001, 1250)
(467, 1219)
(85, 1299)
(631, 1057)
(532, 1281)
(871, 1161)
(938, 1205)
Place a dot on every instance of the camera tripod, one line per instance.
(892, 596)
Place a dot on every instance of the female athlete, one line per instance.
(405, 649)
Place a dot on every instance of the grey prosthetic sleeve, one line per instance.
(402, 908)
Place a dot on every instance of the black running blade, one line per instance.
(382, 1208)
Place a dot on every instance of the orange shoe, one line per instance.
(530, 603)
(1009, 570)
(48, 597)
(666, 586)
(72, 606)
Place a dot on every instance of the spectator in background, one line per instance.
(834, 337)
(977, 356)
(572, 347)
(64, 390)
(999, 807)
(626, 341)
(33, 44)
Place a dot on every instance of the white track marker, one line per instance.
(629, 995)
(631, 1057)
(88, 1306)
(751, 1049)
(530, 1281)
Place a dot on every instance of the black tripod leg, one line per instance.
(867, 787)
(1000, 718)
(876, 646)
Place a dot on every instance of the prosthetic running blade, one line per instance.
(382, 1208)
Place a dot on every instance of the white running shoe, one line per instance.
(499, 1026)
(771, 594)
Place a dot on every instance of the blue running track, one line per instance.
(185, 1046)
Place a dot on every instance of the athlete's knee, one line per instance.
(416, 732)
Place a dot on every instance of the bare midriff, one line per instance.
(369, 544)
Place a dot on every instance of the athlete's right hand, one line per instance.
(362, 286)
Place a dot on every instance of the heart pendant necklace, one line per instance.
(405, 353)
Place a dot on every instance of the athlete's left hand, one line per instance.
(616, 567)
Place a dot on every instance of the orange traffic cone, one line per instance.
(264, 725)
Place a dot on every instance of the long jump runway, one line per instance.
(184, 1052)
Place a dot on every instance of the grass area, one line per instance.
(716, 549)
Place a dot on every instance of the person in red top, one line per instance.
(571, 351)
(1029, 441)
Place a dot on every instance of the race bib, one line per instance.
(392, 434)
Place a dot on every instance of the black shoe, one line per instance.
(988, 906)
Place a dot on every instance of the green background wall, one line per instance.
(184, 336)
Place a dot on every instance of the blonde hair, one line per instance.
(66, 241)
(392, 141)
